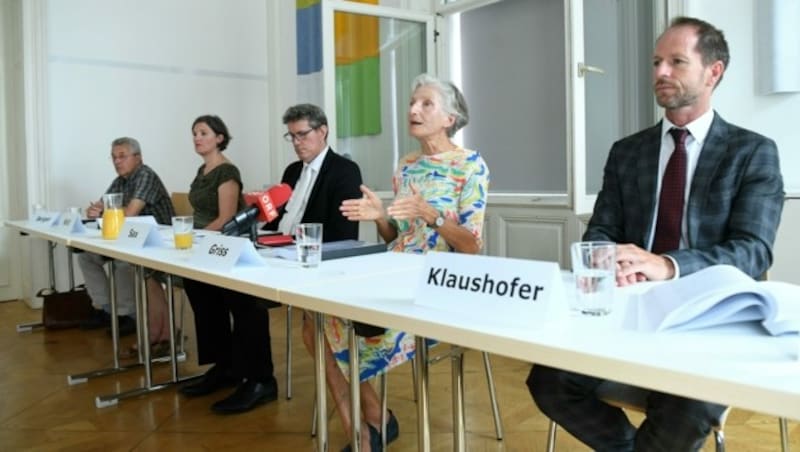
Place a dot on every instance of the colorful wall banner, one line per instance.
(358, 88)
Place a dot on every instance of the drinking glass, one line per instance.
(594, 266)
(113, 215)
(308, 240)
(182, 229)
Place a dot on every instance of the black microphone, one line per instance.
(263, 206)
(241, 222)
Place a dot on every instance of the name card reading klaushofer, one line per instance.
(499, 290)
(135, 234)
(221, 252)
(46, 218)
(69, 223)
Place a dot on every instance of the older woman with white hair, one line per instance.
(440, 201)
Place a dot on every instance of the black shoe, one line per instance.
(392, 432)
(126, 324)
(374, 439)
(392, 428)
(213, 380)
(98, 318)
(247, 396)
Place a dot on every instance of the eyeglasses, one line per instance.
(119, 158)
(299, 136)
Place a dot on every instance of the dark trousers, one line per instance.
(242, 346)
(673, 423)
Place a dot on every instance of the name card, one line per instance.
(69, 223)
(221, 252)
(46, 218)
(139, 235)
(148, 219)
(499, 290)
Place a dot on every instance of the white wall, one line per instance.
(146, 70)
(736, 100)
(222, 56)
(774, 115)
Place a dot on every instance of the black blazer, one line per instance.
(338, 179)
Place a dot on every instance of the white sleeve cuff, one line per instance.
(675, 265)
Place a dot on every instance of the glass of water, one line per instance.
(308, 240)
(594, 265)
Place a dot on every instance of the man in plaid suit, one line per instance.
(731, 207)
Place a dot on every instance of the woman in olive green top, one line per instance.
(241, 353)
(216, 192)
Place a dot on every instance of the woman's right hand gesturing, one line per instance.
(368, 207)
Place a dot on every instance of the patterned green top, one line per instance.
(203, 194)
(455, 182)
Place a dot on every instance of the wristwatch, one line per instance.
(437, 222)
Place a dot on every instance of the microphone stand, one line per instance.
(254, 231)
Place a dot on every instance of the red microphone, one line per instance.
(269, 201)
(263, 205)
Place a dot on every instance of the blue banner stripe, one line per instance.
(309, 39)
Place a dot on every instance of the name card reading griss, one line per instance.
(498, 290)
(220, 252)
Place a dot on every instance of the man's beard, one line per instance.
(677, 101)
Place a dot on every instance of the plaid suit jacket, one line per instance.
(734, 205)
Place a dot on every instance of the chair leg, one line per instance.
(314, 418)
(414, 374)
(384, 407)
(784, 427)
(498, 422)
(719, 440)
(289, 354)
(551, 436)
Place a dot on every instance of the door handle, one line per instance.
(584, 68)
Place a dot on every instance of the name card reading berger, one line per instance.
(499, 290)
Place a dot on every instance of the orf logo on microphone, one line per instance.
(267, 207)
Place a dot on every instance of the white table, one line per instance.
(71, 240)
(730, 366)
(53, 239)
(266, 282)
(733, 366)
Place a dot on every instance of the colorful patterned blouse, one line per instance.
(456, 183)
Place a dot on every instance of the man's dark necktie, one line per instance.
(670, 203)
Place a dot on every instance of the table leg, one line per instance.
(319, 372)
(142, 299)
(423, 414)
(355, 390)
(51, 268)
(84, 377)
(172, 330)
(457, 371)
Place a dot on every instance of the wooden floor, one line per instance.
(40, 411)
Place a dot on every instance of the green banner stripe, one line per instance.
(358, 98)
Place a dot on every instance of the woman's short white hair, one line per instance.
(453, 101)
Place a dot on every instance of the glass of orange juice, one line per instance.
(113, 215)
(182, 229)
